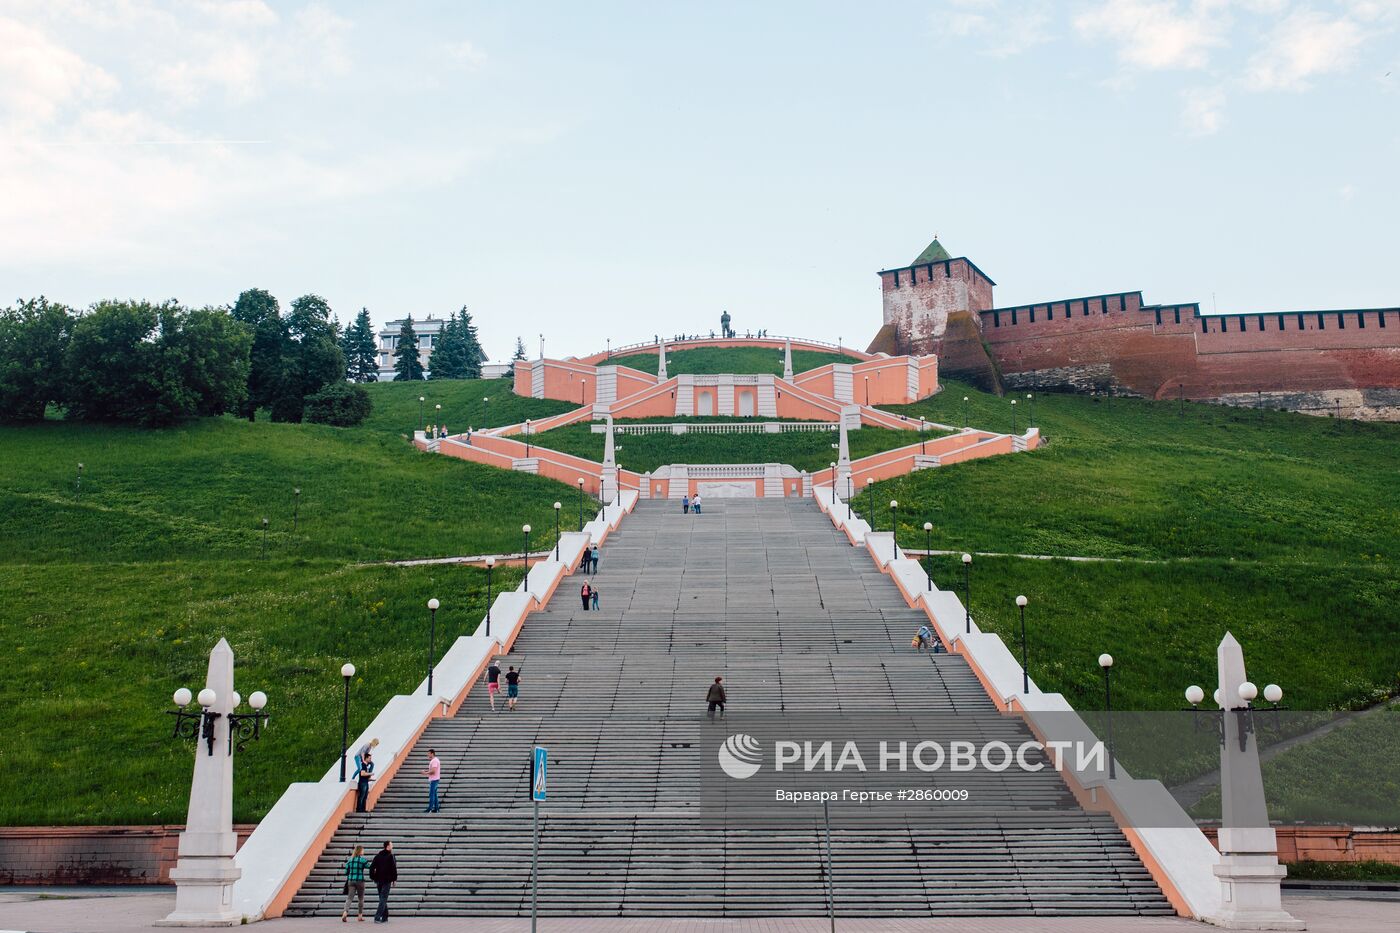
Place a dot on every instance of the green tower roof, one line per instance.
(934, 252)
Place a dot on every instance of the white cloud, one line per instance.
(1346, 192)
(1158, 34)
(1303, 46)
(39, 77)
(1203, 110)
(1003, 27)
(466, 56)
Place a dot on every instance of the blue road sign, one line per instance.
(538, 769)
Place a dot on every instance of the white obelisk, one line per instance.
(205, 872)
(1248, 870)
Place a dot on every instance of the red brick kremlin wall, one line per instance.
(1309, 360)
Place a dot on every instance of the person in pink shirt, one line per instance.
(434, 773)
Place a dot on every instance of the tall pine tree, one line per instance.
(361, 353)
(407, 365)
(449, 359)
(475, 355)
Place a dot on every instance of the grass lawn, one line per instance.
(114, 598)
(804, 450)
(462, 401)
(1283, 529)
(709, 360)
(1347, 776)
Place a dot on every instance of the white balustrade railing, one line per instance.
(728, 427)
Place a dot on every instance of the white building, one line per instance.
(428, 332)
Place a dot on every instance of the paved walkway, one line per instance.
(108, 912)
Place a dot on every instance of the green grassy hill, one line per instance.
(804, 450)
(464, 404)
(114, 597)
(708, 360)
(1279, 527)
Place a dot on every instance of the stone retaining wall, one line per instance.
(91, 854)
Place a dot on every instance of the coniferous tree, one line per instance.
(517, 357)
(474, 354)
(361, 353)
(449, 359)
(407, 365)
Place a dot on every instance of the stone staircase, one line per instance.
(764, 592)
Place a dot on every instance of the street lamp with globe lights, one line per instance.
(928, 554)
(923, 424)
(432, 639)
(580, 503)
(421, 400)
(1025, 672)
(1013, 416)
(437, 420)
(870, 500)
(200, 725)
(1106, 662)
(525, 529)
(527, 437)
(967, 591)
(557, 507)
(1247, 693)
(894, 524)
(485, 411)
(967, 422)
(347, 671)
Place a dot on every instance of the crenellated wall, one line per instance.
(1345, 362)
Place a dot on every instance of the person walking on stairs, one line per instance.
(593, 561)
(586, 594)
(685, 504)
(924, 636)
(715, 697)
(433, 772)
(364, 776)
(493, 683)
(365, 749)
(512, 687)
(586, 564)
(384, 871)
(595, 597)
(355, 867)
(695, 504)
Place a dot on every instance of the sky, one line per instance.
(607, 171)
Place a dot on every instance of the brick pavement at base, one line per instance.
(128, 913)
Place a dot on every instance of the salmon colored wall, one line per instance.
(821, 380)
(631, 381)
(889, 384)
(522, 381)
(928, 376)
(796, 403)
(570, 383)
(660, 402)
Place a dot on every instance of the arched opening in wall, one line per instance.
(746, 403)
(705, 402)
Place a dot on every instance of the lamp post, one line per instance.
(580, 503)
(928, 554)
(967, 592)
(870, 500)
(79, 486)
(922, 425)
(490, 565)
(437, 420)
(583, 391)
(1013, 416)
(485, 411)
(1030, 420)
(432, 639)
(264, 541)
(1025, 672)
(557, 507)
(850, 492)
(894, 524)
(967, 421)
(526, 530)
(833, 478)
(347, 670)
(296, 507)
(867, 391)
(527, 437)
(1106, 662)
(421, 400)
